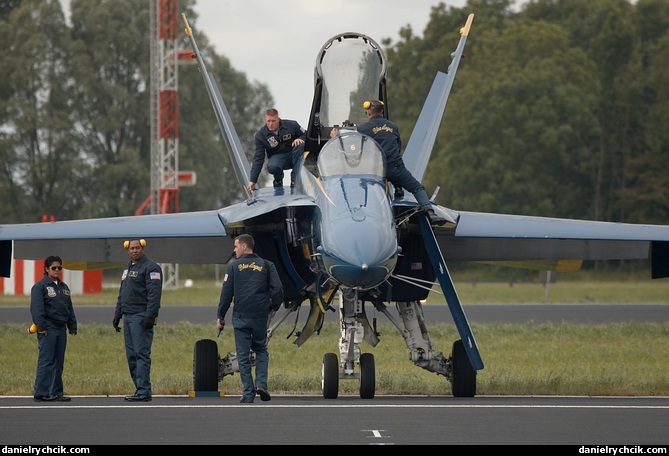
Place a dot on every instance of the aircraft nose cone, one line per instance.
(356, 276)
(362, 258)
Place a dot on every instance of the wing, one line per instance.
(190, 237)
(184, 235)
(546, 243)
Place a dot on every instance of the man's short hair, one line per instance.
(246, 239)
(272, 112)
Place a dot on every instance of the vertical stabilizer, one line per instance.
(419, 148)
(237, 155)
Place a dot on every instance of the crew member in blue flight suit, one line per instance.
(282, 141)
(139, 303)
(387, 134)
(256, 288)
(53, 314)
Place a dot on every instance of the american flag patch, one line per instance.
(154, 276)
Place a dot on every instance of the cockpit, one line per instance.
(350, 68)
(351, 153)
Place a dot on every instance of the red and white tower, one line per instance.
(164, 196)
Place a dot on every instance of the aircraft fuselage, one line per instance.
(355, 237)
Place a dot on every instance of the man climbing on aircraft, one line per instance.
(283, 142)
(387, 134)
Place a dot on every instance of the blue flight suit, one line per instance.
(387, 134)
(139, 296)
(279, 148)
(256, 292)
(51, 309)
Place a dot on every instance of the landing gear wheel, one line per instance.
(464, 376)
(205, 365)
(367, 376)
(330, 376)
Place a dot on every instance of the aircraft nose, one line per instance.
(361, 257)
(360, 276)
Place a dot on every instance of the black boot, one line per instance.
(432, 216)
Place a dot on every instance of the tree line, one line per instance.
(75, 134)
(559, 109)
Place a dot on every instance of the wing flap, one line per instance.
(479, 224)
(186, 250)
(487, 237)
(187, 237)
(545, 265)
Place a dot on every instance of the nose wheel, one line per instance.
(330, 376)
(367, 376)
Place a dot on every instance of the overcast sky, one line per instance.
(276, 43)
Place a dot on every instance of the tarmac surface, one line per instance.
(592, 422)
(476, 313)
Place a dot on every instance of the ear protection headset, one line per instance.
(374, 104)
(126, 244)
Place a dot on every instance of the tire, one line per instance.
(330, 376)
(464, 376)
(205, 365)
(367, 376)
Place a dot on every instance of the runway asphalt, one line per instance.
(592, 423)
(476, 313)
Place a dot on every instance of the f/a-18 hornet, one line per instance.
(340, 238)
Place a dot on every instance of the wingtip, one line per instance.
(464, 31)
(187, 28)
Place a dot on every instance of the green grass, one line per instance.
(520, 359)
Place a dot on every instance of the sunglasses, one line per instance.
(56, 268)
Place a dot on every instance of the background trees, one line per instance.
(37, 150)
(75, 113)
(556, 109)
